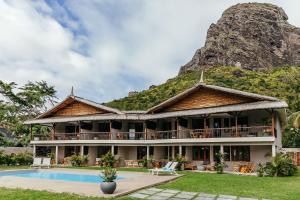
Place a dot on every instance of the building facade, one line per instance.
(197, 124)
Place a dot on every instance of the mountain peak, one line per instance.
(251, 36)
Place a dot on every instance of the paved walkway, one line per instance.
(161, 194)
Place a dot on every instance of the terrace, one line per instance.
(232, 132)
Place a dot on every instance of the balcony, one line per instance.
(232, 132)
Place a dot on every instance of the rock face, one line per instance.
(250, 35)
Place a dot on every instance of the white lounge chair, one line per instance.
(37, 162)
(169, 170)
(46, 162)
(165, 167)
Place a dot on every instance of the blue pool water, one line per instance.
(56, 176)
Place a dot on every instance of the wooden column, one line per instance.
(148, 153)
(53, 131)
(177, 128)
(110, 127)
(273, 123)
(81, 150)
(236, 124)
(145, 130)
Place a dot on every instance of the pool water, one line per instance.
(87, 178)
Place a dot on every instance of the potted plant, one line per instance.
(108, 186)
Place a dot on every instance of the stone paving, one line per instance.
(168, 194)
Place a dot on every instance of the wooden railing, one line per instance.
(253, 131)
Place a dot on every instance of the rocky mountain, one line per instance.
(251, 36)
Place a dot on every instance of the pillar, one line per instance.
(81, 150)
(273, 150)
(222, 152)
(148, 152)
(173, 152)
(180, 150)
(211, 154)
(221, 149)
(112, 149)
(34, 151)
(56, 155)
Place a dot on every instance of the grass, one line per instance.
(283, 188)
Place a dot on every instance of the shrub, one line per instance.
(146, 163)
(78, 160)
(181, 160)
(260, 170)
(109, 174)
(108, 160)
(23, 159)
(220, 164)
(280, 165)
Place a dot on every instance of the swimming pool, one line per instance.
(87, 178)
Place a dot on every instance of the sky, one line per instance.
(106, 48)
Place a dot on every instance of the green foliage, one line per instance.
(18, 104)
(108, 160)
(78, 160)
(291, 138)
(146, 163)
(109, 174)
(260, 170)
(281, 165)
(15, 159)
(220, 165)
(282, 82)
(181, 160)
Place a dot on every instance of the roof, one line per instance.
(72, 98)
(202, 85)
(263, 102)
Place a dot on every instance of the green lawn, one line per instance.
(283, 188)
(247, 186)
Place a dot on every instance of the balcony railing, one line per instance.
(253, 131)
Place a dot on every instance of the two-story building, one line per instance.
(196, 123)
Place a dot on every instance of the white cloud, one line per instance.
(105, 48)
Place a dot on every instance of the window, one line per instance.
(240, 153)
(85, 150)
(116, 150)
(226, 150)
(103, 150)
(69, 151)
(142, 152)
(201, 153)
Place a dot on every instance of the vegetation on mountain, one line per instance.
(283, 83)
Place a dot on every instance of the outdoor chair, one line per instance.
(165, 167)
(37, 162)
(170, 170)
(236, 168)
(46, 162)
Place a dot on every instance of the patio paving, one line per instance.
(168, 194)
(132, 181)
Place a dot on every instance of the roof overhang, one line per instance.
(260, 105)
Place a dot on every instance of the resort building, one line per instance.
(197, 124)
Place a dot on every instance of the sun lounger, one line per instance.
(166, 170)
(46, 162)
(37, 162)
(165, 167)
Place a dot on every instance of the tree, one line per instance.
(18, 104)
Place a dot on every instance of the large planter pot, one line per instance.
(108, 187)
